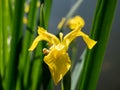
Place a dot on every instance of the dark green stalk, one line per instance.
(23, 80)
(101, 28)
(36, 75)
(5, 24)
(47, 10)
(10, 8)
(1, 48)
(1, 44)
(67, 81)
(29, 37)
(10, 78)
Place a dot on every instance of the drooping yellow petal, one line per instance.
(58, 62)
(61, 23)
(90, 42)
(35, 43)
(48, 36)
(44, 35)
(75, 21)
(74, 34)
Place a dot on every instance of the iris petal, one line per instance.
(57, 58)
(90, 42)
(48, 36)
(35, 43)
(59, 63)
(75, 21)
(44, 35)
(71, 36)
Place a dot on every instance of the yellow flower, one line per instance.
(75, 21)
(27, 8)
(25, 20)
(57, 57)
(38, 3)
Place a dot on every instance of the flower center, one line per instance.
(61, 36)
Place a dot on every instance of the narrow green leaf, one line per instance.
(1, 58)
(25, 59)
(46, 77)
(5, 27)
(38, 57)
(10, 78)
(100, 31)
(11, 10)
(1, 43)
(77, 71)
(36, 75)
(42, 16)
(29, 37)
(47, 10)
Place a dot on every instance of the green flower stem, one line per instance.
(100, 32)
(10, 78)
(47, 10)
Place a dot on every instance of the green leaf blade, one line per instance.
(100, 31)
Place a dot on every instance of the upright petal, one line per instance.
(44, 35)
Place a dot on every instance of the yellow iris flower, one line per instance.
(57, 57)
(75, 21)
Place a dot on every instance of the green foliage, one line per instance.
(11, 71)
(24, 70)
(100, 31)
